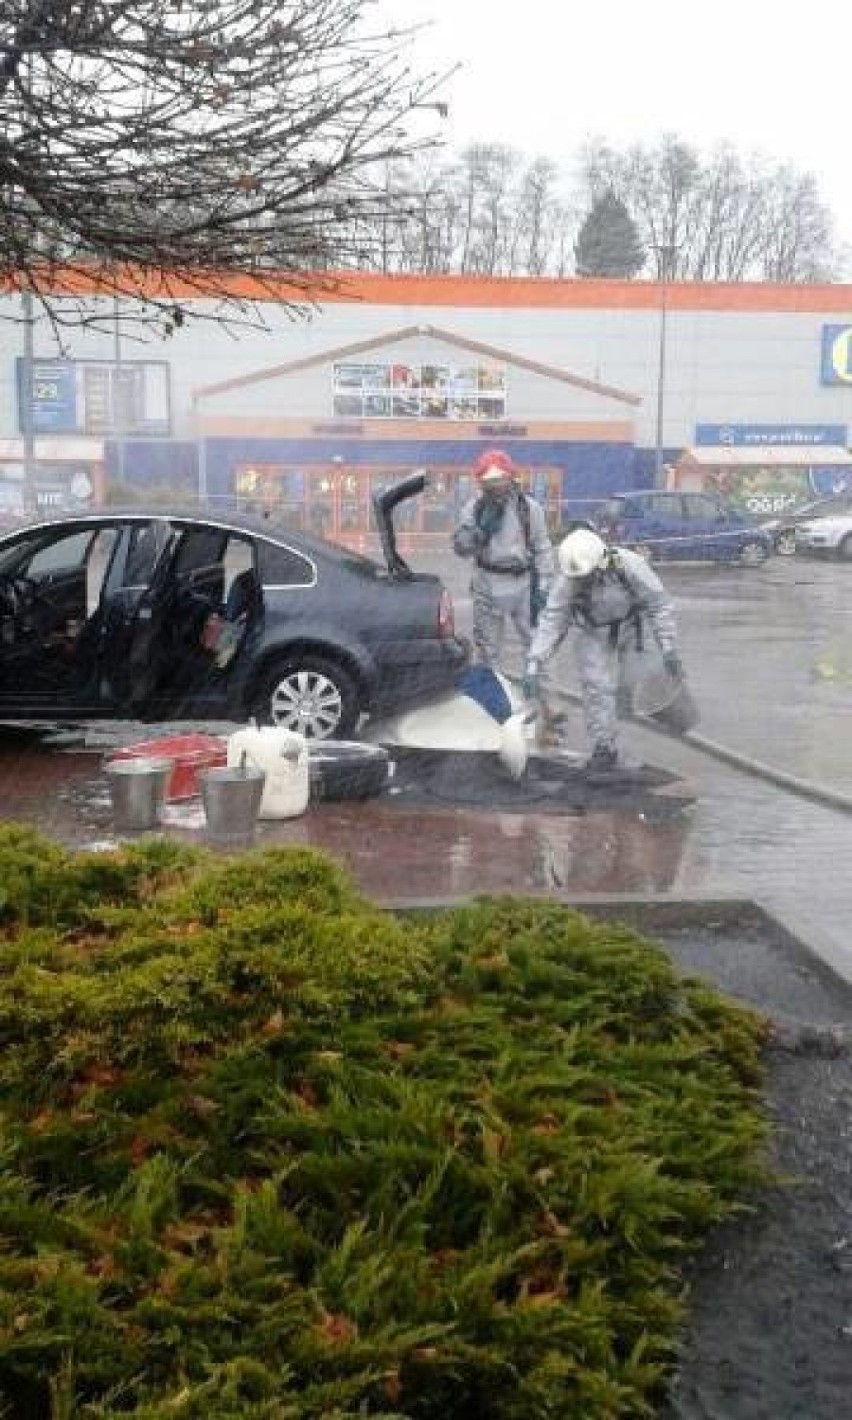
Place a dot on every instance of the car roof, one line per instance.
(269, 528)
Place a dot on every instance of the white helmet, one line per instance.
(581, 553)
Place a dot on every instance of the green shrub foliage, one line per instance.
(269, 1152)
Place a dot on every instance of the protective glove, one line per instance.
(673, 665)
(489, 516)
(531, 685)
(538, 601)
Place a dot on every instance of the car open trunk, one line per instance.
(384, 505)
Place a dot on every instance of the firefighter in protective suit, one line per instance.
(606, 595)
(505, 533)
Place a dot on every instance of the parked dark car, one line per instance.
(153, 616)
(783, 529)
(684, 527)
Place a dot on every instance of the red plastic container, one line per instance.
(188, 753)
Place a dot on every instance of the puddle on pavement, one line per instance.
(631, 842)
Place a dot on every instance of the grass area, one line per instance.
(268, 1152)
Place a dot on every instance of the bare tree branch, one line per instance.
(161, 146)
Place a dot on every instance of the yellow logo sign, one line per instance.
(840, 355)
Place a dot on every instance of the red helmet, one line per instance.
(492, 463)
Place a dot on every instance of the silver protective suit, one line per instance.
(500, 584)
(604, 616)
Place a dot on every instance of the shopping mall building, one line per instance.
(592, 385)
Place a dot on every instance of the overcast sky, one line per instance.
(543, 75)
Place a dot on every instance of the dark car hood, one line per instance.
(383, 510)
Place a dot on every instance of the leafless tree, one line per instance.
(485, 211)
(721, 218)
(161, 146)
(488, 210)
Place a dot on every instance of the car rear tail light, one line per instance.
(446, 616)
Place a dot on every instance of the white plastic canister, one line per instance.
(283, 756)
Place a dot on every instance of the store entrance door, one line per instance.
(331, 502)
(334, 500)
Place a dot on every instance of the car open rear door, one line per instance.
(136, 645)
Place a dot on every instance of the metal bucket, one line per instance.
(231, 798)
(137, 788)
(667, 701)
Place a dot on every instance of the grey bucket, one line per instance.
(231, 798)
(137, 788)
(667, 701)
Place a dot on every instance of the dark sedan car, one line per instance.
(205, 616)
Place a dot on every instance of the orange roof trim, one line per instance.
(509, 292)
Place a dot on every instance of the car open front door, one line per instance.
(50, 590)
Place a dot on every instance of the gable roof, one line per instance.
(411, 332)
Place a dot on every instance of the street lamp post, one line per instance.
(666, 256)
(27, 430)
(118, 395)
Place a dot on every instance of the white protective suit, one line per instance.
(607, 613)
(501, 580)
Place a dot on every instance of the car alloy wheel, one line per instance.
(312, 695)
(785, 543)
(844, 551)
(752, 554)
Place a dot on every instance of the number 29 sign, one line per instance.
(52, 396)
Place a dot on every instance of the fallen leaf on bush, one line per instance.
(398, 1049)
(139, 1149)
(104, 1267)
(494, 1145)
(185, 1234)
(202, 1106)
(338, 1328)
(444, 1256)
(100, 1072)
(542, 1299)
(275, 1024)
(392, 1387)
(498, 962)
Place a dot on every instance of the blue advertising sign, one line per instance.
(770, 435)
(53, 397)
(836, 367)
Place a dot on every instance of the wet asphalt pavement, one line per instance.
(758, 646)
(769, 656)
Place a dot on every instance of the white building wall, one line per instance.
(736, 367)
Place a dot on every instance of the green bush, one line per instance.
(269, 1152)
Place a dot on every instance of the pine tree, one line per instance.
(608, 242)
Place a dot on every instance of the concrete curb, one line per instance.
(805, 788)
(650, 912)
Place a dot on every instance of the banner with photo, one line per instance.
(400, 391)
